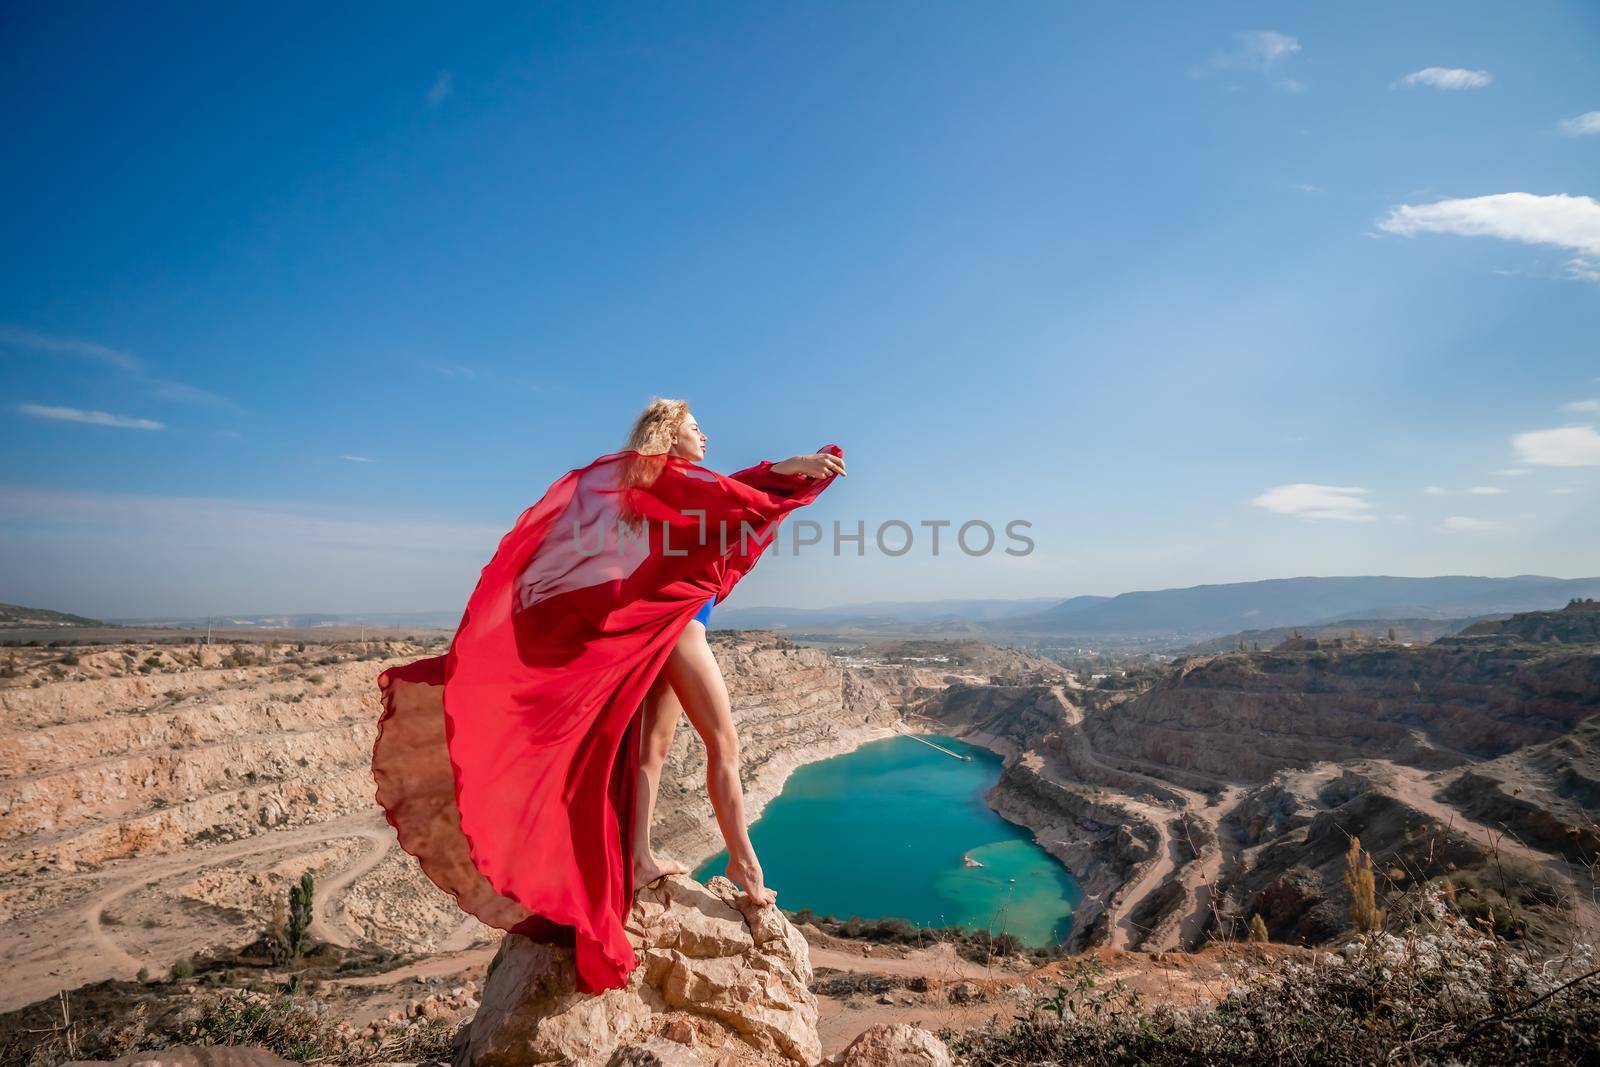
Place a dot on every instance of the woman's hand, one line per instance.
(816, 465)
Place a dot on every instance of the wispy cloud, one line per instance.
(1445, 78)
(182, 393)
(1435, 490)
(16, 337)
(1586, 407)
(88, 418)
(156, 388)
(1486, 490)
(442, 89)
(1580, 125)
(357, 459)
(1313, 503)
(456, 372)
(1261, 51)
(1558, 220)
(1467, 524)
(1566, 446)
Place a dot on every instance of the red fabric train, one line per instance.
(507, 766)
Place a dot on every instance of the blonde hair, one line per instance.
(656, 428)
(653, 435)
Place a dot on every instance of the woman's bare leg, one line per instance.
(661, 711)
(693, 673)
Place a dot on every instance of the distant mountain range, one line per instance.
(426, 620)
(893, 616)
(1193, 614)
(1198, 612)
(16, 617)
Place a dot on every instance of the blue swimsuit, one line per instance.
(704, 614)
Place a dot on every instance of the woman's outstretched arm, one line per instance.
(796, 472)
(815, 465)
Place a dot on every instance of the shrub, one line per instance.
(1438, 991)
(1365, 915)
(292, 1030)
(181, 970)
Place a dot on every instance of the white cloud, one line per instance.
(1511, 472)
(1580, 125)
(1435, 490)
(1305, 500)
(1445, 78)
(1268, 46)
(357, 459)
(1585, 270)
(88, 418)
(1561, 492)
(1486, 490)
(442, 89)
(15, 337)
(1467, 524)
(1263, 51)
(1567, 446)
(1587, 407)
(1558, 220)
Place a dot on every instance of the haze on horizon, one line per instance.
(299, 312)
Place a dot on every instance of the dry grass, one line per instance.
(1435, 989)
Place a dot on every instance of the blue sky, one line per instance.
(301, 306)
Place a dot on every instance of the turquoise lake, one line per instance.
(884, 831)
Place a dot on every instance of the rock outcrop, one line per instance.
(893, 1045)
(717, 974)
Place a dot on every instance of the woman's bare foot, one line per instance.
(651, 867)
(747, 873)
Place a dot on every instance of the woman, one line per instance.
(511, 766)
(691, 682)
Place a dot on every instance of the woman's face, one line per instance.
(691, 443)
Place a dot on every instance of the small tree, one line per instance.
(1365, 914)
(1258, 930)
(300, 915)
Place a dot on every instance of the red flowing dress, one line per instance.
(507, 766)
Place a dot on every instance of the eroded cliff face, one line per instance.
(1433, 706)
(156, 799)
(1222, 791)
